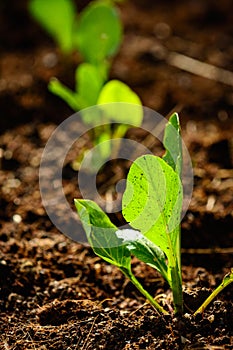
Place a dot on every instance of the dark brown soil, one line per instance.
(55, 293)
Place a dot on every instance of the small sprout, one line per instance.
(97, 34)
(152, 204)
(227, 279)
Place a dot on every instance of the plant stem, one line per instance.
(178, 294)
(227, 279)
(174, 267)
(176, 286)
(138, 285)
(178, 249)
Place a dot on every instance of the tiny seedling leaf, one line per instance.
(57, 18)
(98, 32)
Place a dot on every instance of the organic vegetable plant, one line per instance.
(152, 204)
(97, 35)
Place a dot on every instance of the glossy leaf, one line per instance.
(101, 234)
(173, 156)
(144, 250)
(172, 143)
(152, 200)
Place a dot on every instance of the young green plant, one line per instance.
(152, 204)
(97, 35)
(71, 33)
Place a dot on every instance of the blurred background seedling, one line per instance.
(96, 33)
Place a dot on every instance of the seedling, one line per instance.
(152, 204)
(97, 35)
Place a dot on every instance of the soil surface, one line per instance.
(54, 292)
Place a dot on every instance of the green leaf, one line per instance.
(152, 201)
(70, 97)
(57, 18)
(173, 156)
(116, 91)
(144, 250)
(173, 144)
(88, 83)
(101, 234)
(98, 33)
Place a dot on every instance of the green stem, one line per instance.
(66, 94)
(178, 249)
(138, 285)
(176, 286)
(177, 289)
(227, 279)
(175, 277)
